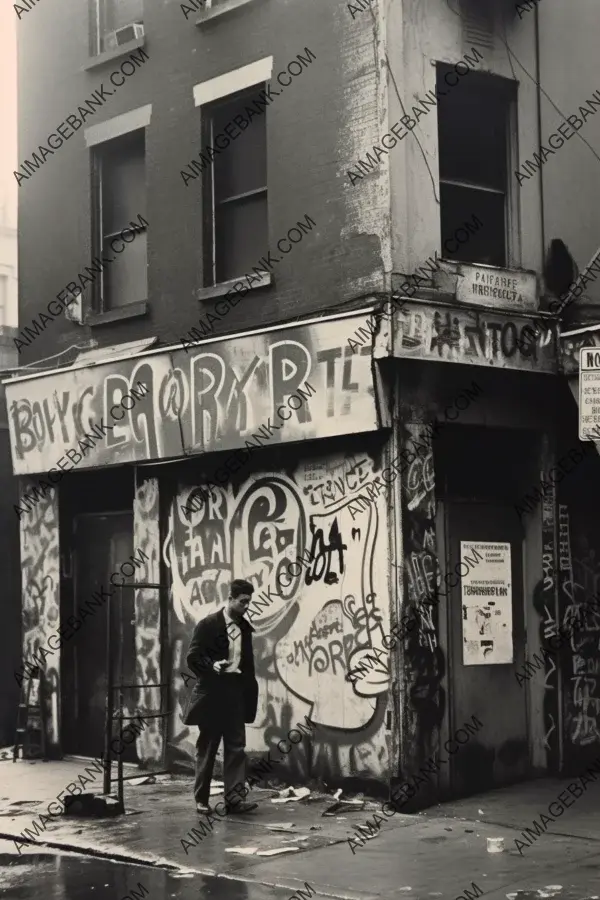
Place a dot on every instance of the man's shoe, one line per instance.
(202, 809)
(243, 807)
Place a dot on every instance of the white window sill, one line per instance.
(219, 290)
(108, 55)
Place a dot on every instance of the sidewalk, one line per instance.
(411, 855)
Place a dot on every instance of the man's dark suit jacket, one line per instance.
(210, 643)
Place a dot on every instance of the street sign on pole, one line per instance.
(589, 394)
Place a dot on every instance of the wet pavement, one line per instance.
(439, 853)
(64, 876)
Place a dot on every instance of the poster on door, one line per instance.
(486, 592)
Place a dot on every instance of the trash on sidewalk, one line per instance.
(245, 851)
(289, 794)
(344, 806)
(277, 851)
(96, 806)
(217, 787)
(144, 779)
(495, 845)
(281, 826)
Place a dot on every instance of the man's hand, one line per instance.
(220, 665)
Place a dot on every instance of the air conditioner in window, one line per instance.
(74, 311)
(123, 35)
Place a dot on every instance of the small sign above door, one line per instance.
(502, 288)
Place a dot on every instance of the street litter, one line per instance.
(281, 826)
(495, 845)
(217, 787)
(144, 779)
(245, 851)
(288, 795)
(277, 851)
(344, 806)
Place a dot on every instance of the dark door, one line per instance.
(102, 543)
(485, 627)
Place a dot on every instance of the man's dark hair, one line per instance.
(240, 586)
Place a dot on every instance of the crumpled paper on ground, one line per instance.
(290, 794)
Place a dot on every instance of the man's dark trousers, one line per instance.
(228, 724)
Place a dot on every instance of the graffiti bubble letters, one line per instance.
(210, 401)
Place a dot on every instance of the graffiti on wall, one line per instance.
(147, 619)
(580, 582)
(40, 595)
(311, 621)
(214, 397)
(478, 337)
(425, 662)
(544, 601)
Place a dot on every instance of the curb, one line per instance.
(291, 884)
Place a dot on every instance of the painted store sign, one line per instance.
(213, 397)
(482, 338)
(488, 286)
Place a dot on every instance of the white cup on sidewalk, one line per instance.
(495, 845)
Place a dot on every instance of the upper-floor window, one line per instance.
(120, 235)
(474, 149)
(235, 185)
(112, 15)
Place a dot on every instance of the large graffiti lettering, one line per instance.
(198, 400)
(320, 580)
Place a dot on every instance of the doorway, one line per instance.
(480, 474)
(486, 642)
(101, 543)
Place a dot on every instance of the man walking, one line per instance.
(224, 697)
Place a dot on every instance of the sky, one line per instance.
(8, 104)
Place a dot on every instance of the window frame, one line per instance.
(209, 206)
(512, 223)
(98, 304)
(98, 17)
